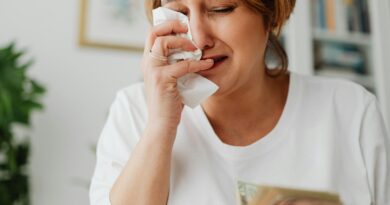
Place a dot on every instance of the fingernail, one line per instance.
(208, 61)
(191, 47)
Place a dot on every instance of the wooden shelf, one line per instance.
(300, 37)
(359, 39)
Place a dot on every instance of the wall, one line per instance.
(81, 85)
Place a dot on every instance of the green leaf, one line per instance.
(37, 88)
(22, 152)
(19, 97)
(6, 110)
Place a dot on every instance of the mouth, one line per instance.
(218, 60)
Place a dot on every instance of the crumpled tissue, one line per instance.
(193, 87)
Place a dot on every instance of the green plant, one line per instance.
(19, 96)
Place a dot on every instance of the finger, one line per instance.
(187, 66)
(163, 44)
(169, 27)
(166, 28)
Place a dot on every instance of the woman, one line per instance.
(267, 127)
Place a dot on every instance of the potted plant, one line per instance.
(19, 96)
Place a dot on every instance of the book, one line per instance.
(330, 15)
(321, 14)
(341, 17)
(341, 55)
(251, 194)
(364, 16)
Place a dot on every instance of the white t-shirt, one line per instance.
(330, 137)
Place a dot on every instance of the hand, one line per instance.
(163, 98)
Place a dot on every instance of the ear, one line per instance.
(268, 25)
(267, 35)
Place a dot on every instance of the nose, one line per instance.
(201, 32)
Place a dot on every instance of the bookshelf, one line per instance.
(345, 39)
(355, 38)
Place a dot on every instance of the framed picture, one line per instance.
(113, 24)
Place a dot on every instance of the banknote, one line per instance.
(252, 194)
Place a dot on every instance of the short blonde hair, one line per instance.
(275, 14)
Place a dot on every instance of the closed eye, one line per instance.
(224, 9)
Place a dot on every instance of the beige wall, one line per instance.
(81, 85)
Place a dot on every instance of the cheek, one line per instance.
(249, 49)
(246, 36)
(256, 36)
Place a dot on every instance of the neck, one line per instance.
(255, 106)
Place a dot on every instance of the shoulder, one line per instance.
(130, 101)
(127, 116)
(336, 90)
(132, 95)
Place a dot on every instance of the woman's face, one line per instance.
(230, 33)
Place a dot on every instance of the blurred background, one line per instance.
(83, 51)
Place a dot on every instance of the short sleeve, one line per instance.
(375, 147)
(117, 139)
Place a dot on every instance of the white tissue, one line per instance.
(193, 88)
